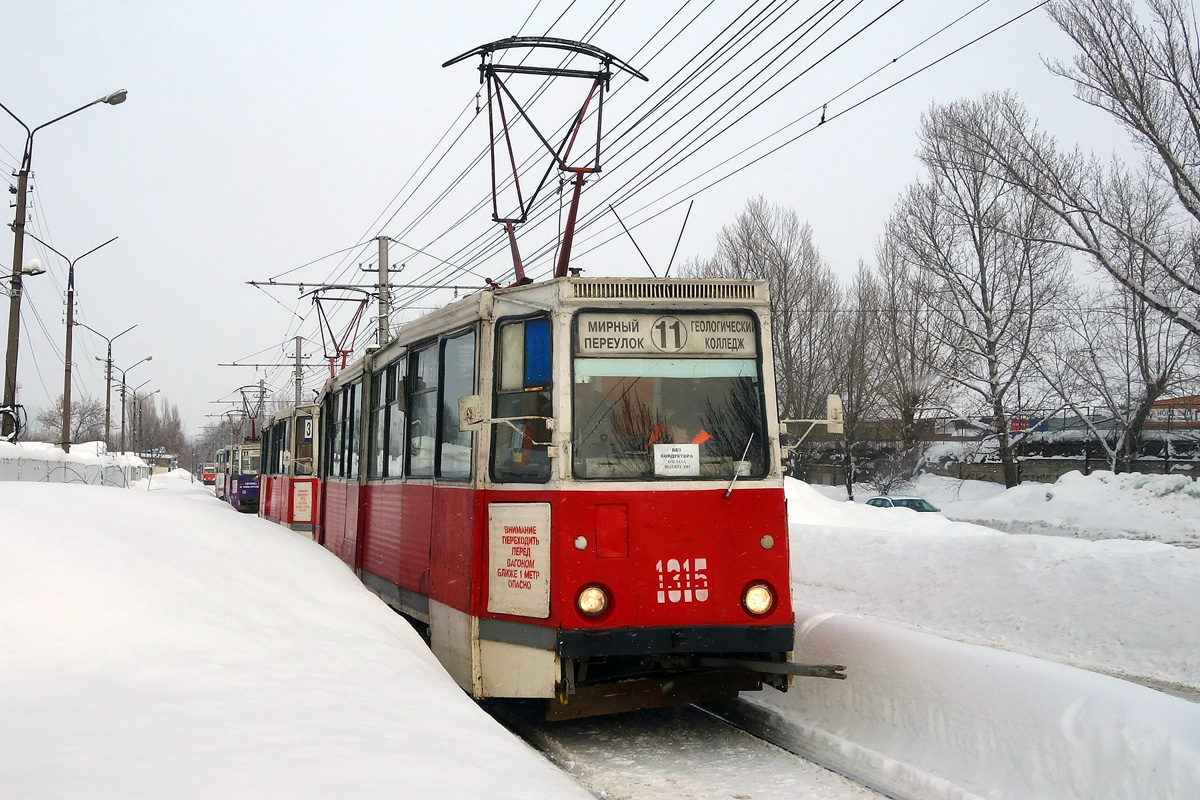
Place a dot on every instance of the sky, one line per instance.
(260, 138)
(182, 649)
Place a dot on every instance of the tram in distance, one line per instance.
(237, 475)
(574, 486)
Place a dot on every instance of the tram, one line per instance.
(287, 485)
(575, 487)
(237, 475)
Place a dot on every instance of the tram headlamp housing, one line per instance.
(758, 599)
(592, 601)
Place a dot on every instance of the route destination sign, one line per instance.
(623, 334)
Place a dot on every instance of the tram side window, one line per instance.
(458, 380)
(520, 449)
(422, 425)
(267, 449)
(378, 435)
(282, 441)
(336, 429)
(350, 416)
(393, 396)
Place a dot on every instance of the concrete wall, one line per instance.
(36, 462)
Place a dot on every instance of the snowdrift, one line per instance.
(157, 644)
(922, 715)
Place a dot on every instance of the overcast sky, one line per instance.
(258, 138)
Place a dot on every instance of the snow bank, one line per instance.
(926, 717)
(1100, 505)
(158, 644)
(1115, 605)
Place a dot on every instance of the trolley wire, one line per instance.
(485, 243)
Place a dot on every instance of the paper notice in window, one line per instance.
(677, 460)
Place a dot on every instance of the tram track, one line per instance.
(725, 750)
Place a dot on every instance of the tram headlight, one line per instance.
(758, 599)
(592, 601)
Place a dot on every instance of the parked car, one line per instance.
(899, 501)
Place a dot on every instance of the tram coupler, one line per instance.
(833, 671)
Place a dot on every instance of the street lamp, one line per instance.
(18, 226)
(107, 379)
(35, 268)
(123, 385)
(65, 433)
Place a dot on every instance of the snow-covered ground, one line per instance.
(894, 592)
(157, 644)
(1114, 605)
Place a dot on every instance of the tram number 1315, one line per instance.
(682, 582)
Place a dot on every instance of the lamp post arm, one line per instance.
(28, 133)
(70, 261)
(64, 116)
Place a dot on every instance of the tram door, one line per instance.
(417, 511)
(452, 535)
(339, 510)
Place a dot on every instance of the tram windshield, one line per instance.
(249, 461)
(663, 418)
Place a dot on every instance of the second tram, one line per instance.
(288, 483)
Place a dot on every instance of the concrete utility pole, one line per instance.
(107, 380)
(18, 227)
(299, 372)
(64, 438)
(383, 292)
(123, 387)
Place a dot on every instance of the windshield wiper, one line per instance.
(736, 466)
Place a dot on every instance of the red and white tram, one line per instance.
(576, 486)
(288, 483)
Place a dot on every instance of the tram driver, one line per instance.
(686, 409)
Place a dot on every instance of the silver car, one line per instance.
(900, 501)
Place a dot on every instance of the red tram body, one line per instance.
(575, 485)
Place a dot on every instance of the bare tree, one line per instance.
(860, 361)
(982, 252)
(917, 355)
(1116, 350)
(1147, 77)
(158, 428)
(769, 243)
(87, 420)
